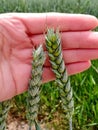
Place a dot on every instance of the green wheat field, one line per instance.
(85, 84)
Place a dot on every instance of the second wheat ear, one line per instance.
(35, 87)
(53, 45)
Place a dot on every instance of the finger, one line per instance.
(73, 68)
(77, 55)
(84, 39)
(48, 75)
(37, 23)
(71, 56)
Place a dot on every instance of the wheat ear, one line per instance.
(35, 86)
(4, 109)
(53, 45)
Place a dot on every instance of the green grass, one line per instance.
(85, 85)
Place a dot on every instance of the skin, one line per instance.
(20, 33)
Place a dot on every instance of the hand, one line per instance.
(21, 32)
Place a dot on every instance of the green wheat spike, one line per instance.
(4, 109)
(35, 86)
(53, 45)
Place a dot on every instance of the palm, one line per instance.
(16, 52)
(20, 32)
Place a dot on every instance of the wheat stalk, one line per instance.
(4, 109)
(53, 45)
(35, 86)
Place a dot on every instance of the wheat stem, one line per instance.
(53, 45)
(4, 109)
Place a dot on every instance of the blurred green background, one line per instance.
(85, 85)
